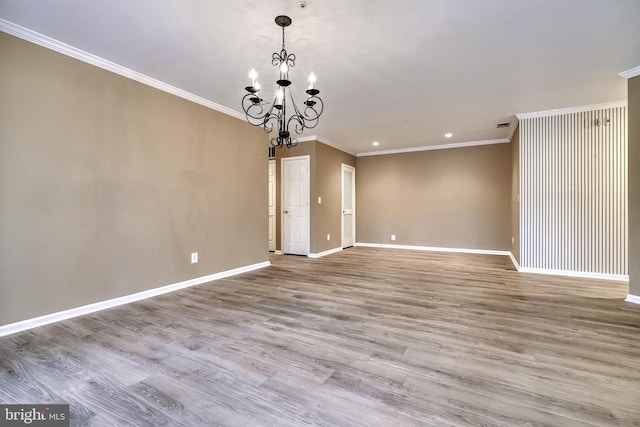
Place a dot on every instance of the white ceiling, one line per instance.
(400, 72)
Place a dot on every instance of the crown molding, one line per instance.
(571, 110)
(308, 138)
(634, 72)
(435, 147)
(514, 125)
(325, 141)
(65, 49)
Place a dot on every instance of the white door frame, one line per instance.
(307, 249)
(272, 205)
(352, 169)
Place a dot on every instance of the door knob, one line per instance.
(286, 212)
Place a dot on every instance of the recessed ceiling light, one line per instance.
(375, 143)
(448, 135)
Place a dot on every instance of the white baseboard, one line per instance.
(434, 249)
(514, 261)
(325, 253)
(277, 252)
(507, 253)
(24, 325)
(633, 298)
(585, 275)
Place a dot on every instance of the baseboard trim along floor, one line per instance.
(586, 275)
(24, 325)
(325, 253)
(433, 249)
(633, 298)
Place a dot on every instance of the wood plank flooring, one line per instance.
(365, 337)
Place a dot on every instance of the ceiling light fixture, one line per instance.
(260, 113)
(375, 143)
(448, 135)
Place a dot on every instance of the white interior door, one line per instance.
(272, 205)
(348, 206)
(295, 205)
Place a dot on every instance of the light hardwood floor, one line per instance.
(369, 337)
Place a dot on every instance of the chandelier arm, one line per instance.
(260, 117)
(298, 117)
(276, 142)
(252, 106)
(279, 142)
(312, 112)
(256, 115)
(267, 123)
(295, 106)
(299, 123)
(310, 116)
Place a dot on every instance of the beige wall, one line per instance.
(454, 198)
(325, 182)
(329, 186)
(634, 186)
(515, 192)
(108, 185)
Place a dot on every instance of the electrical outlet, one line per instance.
(393, 237)
(513, 240)
(194, 257)
(328, 236)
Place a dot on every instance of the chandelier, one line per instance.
(261, 113)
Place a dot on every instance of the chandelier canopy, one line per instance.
(260, 113)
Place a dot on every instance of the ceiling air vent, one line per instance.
(503, 125)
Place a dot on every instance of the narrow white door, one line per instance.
(295, 204)
(348, 206)
(272, 205)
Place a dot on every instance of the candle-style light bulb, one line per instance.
(312, 80)
(284, 69)
(253, 75)
(279, 96)
(256, 86)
